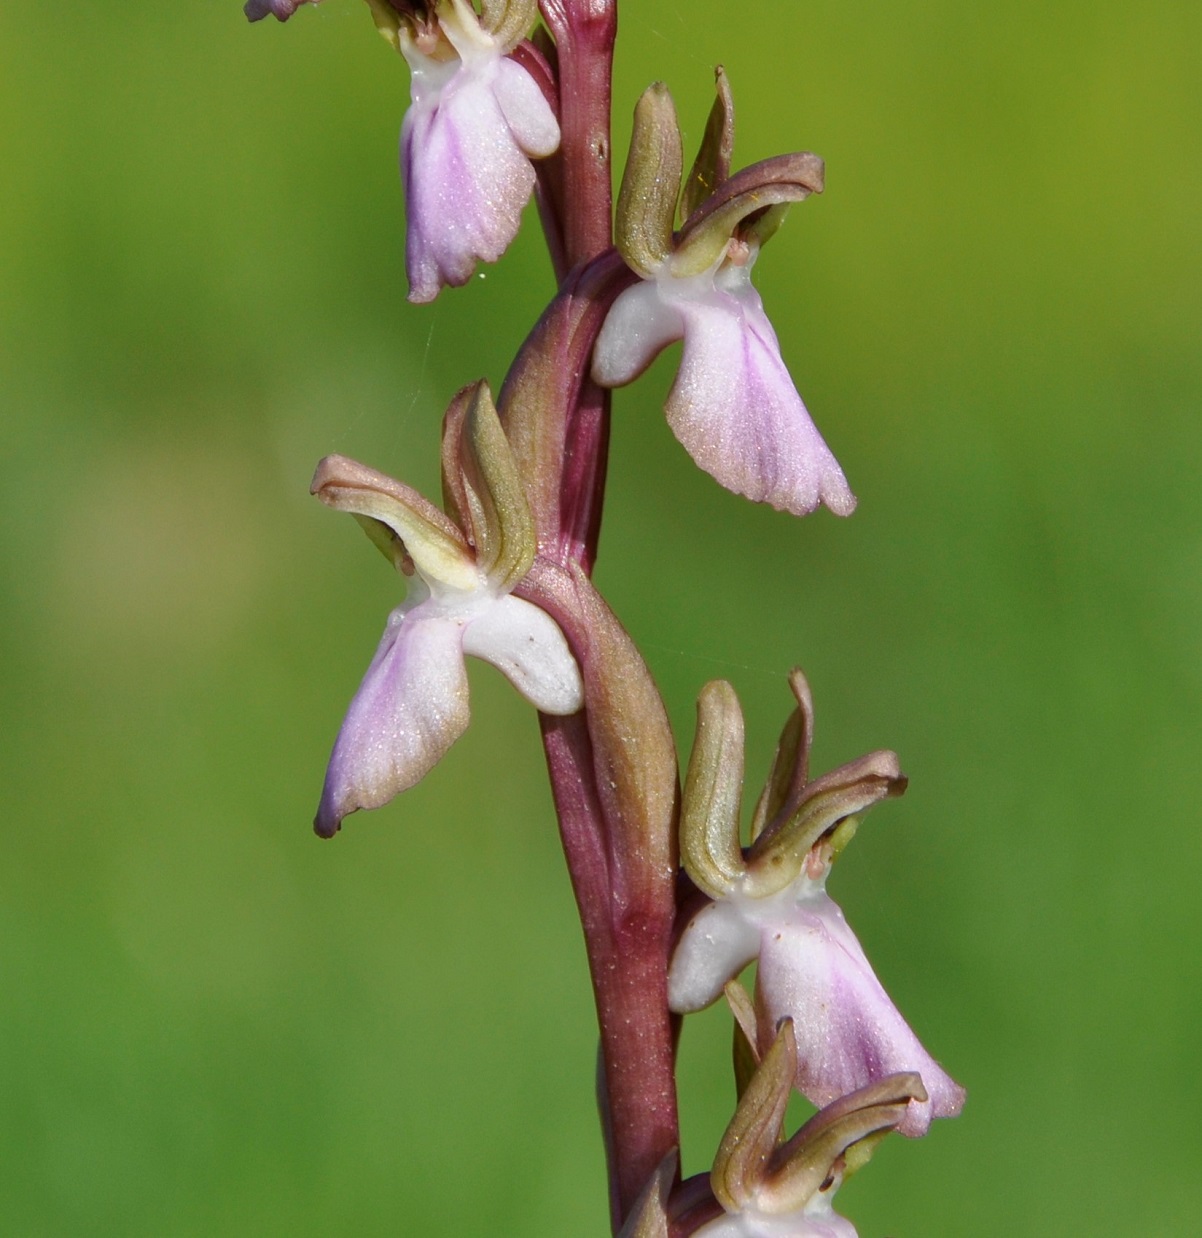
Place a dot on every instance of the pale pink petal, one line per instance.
(526, 645)
(716, 945)
(736, 411)
(465, 173)
(410, 708)
(849, 1033)
(819, 1224)
(526, 110)
(640, 324)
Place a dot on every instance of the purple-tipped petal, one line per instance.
(410, 708)
(527, 646)
(640, 324)
(465, 147)
(736, 411)
(716, 945)
(848, 1032)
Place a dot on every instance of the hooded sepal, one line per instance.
(745, 1153)
(791, 761)
(709, 815)
(509, 21)
(712, 165)
(650, 184)
(772, 1187)
(779, 854)
(481, 482)
(408, 529)
(843, 1134)
(731, 212)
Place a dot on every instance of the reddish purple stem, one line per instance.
(627, 945)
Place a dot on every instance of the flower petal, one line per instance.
(735, 408)
(814, 1222)
(465, 173)
(436, 546)
(716, 945)
(410, 708)
(526, 645)
(640, 324)
(526, 110)
(849, 1033)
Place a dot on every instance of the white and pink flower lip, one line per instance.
(733, 405)
(477, 119)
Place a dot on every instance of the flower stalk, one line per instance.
(673, 902)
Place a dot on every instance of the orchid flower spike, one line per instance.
(770, 1189)
(476, 121)
(733, 405)
(770, 902)
(413, 702)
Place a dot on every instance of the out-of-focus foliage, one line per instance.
(211, 1022)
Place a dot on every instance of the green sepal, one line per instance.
(745, 1056)
(709, 815)
(712, 165)
(408, 524)
(771, 183)
(750, 1139)
(454, 492)
(650, 183)
(791, 762)
(387, 542)
(388, 22)
(509, 21)
(860, 1153)
(649, 1216)
(841, 835)
(498, 515)
(778, 855)
(808, 1162)
(760, 228)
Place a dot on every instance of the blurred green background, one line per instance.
(212, 1022)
